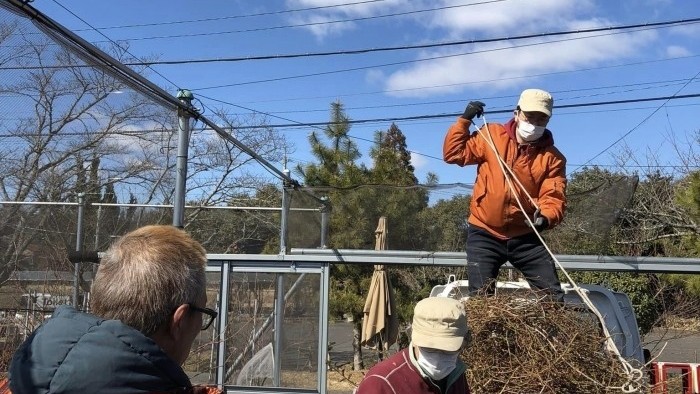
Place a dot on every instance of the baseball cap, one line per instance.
(439, 323)
(536, 100)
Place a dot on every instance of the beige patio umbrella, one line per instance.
(380, 326)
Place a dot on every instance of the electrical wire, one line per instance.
(319, 125)
(632, 88)
(452, 115)
(113, 42)
(427, 59)
(646, 26)
(630, 131)
(237, 16)
(365, 18)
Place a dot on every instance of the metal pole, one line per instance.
(185, 97)
(325, 217)
(279, 317)
(279, 301)
(78, 248)
(323, 330)
(285, 213)
(97, 228)
(222, 323)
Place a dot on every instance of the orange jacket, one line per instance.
(539, 166)
(5, 387)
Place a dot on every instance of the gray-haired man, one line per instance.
(148, 299)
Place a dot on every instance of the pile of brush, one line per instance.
(525, 346)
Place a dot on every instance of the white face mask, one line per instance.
(437, 364)
(528, 131)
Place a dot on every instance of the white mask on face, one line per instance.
(528, 131)
(437, 364)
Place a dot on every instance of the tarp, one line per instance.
(380, 326)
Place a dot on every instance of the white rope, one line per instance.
(634, 375)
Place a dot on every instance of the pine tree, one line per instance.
(399, 196)
(350, 226)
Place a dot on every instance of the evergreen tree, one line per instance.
(398, 195)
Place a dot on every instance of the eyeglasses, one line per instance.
(535, 118)
(211, 315)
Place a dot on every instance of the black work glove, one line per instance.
(474, 108)
(541, 223)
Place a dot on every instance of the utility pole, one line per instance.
(185, 97)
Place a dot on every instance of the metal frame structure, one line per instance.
(228, 264)
(318, 261)
(676, 265)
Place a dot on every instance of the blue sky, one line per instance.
(577, 69)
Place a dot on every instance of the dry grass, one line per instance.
(683, 323)
(339, 379)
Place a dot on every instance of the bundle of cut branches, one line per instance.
(537, 346)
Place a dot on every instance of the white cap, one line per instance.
(536, 100)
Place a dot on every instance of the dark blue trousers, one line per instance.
(486, 254)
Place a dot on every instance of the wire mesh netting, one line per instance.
(75, 127)
(72, 122)
(252, 328)
(595, 207)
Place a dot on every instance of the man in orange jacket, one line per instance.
(520, 184)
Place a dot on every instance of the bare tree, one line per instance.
(657, 212)
(68, 126)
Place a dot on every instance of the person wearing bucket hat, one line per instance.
(430, 364)
(520, 153)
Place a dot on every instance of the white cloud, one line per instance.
(375, 76)
(536, 15)
(502, 66)
(499, 65)
(319, 27)
(418, 161)
(318, 19)
(686, 30)
(677, 51)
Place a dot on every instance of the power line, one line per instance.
(681, 166)
(406, 47)
(446, 115)
(382, 92)
(646, 26)
(236, 16)
(416, 61)
(632, 87)
(313, 23)
(111, 41)
(297, 124)
(630, 131)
